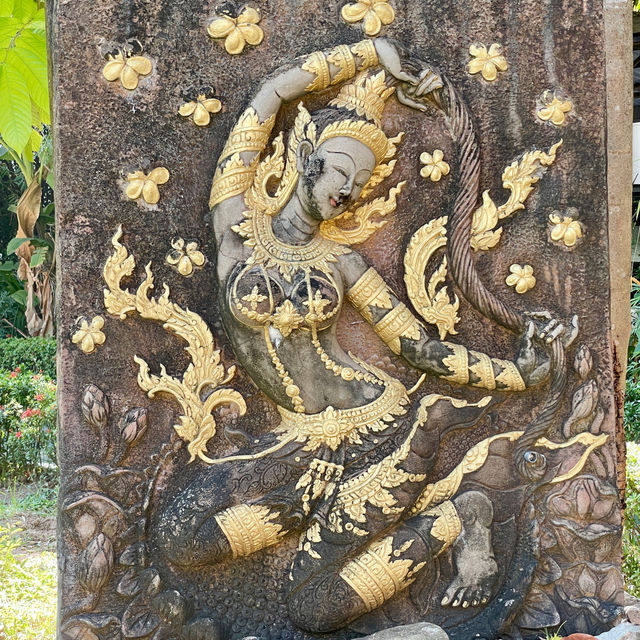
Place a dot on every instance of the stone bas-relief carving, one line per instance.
(345, 425)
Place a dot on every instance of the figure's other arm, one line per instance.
(406, 336)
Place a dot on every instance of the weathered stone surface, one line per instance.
(624, 631)
(264, 482)
(419, 631)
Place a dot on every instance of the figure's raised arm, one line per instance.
(406, 336)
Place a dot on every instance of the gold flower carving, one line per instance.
(521, 278)
(488, 63)
(434, 165)
(146, 185)
(554, 109)
(89, 334)
(286, 318)
(127, 69)
(237, 32)
(185, 258)
(372, 13)
(565, 229)
(201, 109)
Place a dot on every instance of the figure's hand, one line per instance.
(533, 363)
(543, 329)
(418, 84)
(547, 328)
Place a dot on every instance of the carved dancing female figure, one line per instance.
(350, 460)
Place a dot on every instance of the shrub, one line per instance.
(30, 354)
(632, 410)
(27, 424)
(631, 536)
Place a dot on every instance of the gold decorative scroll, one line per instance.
(519, 178)
(197, 392)
(474, 459)
(431, 302)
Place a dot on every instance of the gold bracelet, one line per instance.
(231, 180)
(510, 377)
(398, 323)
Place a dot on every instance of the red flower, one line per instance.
(18, 434)
(13, 374)
(39, 397)
(28, 413)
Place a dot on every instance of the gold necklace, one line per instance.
(268, 250)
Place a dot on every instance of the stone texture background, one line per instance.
(103, 131)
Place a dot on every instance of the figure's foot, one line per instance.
(473, 586)
(476, 567)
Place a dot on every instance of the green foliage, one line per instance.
(632, 411)
(39, 498)
(30, 354)
(631, 535)
(27, 425)
(24, 92)
(27, 591)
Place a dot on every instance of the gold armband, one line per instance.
(249, 134)
(483, 370)
(369, 291)
(366, 51)
(342, 58)
(457, 363)
(398, 323)
(249, 528)
(317, 65)
(232, 180)
(509, 377)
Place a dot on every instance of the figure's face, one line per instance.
(332, 176)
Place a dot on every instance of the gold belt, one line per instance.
(332, 426)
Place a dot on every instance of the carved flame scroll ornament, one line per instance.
(198, 392)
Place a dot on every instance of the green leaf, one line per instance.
(9, 27)
(8, 266)
(6, 8)
(14, 243)
(15, 108)
(20, 297)
(35, 42)
(34, 71)
(24, 10)
(38, 257)
(37, 22)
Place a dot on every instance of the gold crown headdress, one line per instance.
(366, 96)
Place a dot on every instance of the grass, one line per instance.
(28, 592)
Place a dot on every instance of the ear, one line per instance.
(305, 149)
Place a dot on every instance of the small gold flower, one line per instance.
(521, 277)
(286, 319)
(487, 62)
(239, 31)
(254, 298)
(554, 109)
(565, 229)
(434, 165)
(89, 336)
(373, 13)
(127, 68)
(201, 109)
(141, 184)
(184, 259)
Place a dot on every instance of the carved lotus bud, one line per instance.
(95, 407)
(583, 362)
(97, 564)
(584, 400)
(133, 425)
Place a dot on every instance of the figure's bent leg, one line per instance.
(346, 590)
(476, 567)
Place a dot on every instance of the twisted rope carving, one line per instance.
(464, 273)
